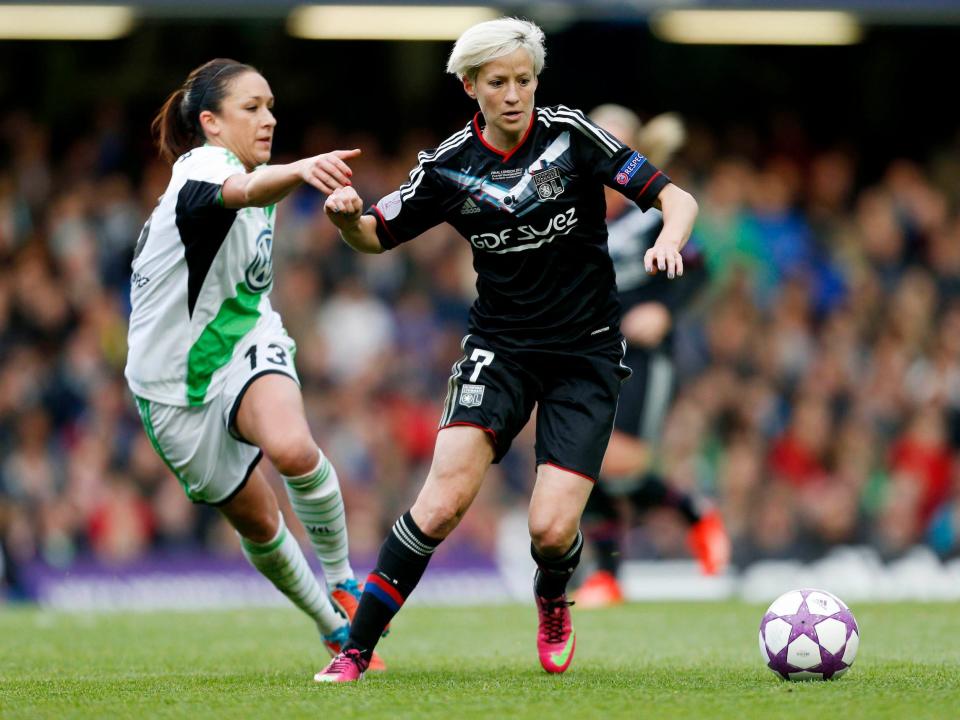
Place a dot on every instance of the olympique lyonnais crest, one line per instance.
(471, 395)
(549, 184)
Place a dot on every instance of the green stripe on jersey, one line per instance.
(214, 348)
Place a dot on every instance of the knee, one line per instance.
(293, 456)
(552, 535)
(260, 526)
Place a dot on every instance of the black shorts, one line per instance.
(646, 398)
(576, 395)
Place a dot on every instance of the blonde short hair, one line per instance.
(489, 40)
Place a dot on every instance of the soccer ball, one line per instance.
(808, 635)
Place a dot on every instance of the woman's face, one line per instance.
(504, 88)
(245, 122)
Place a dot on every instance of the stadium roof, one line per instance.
(891, 11)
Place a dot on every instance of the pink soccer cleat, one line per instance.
(346, 595)
(348, 666)
(556, 639)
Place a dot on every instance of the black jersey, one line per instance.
(633, 232)
(535, 217)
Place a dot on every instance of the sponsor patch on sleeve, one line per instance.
(629, 169)
(389, 205)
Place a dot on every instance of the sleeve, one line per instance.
(206, 169)
(198, 197)
(616, 165)
(413, 209)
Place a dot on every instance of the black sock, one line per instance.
(654, 492)
(553, 574)
(403, 558)
(605, 539)
(601, 528)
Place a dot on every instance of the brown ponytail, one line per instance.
(176, 128)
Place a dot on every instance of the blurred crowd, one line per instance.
(818, 400)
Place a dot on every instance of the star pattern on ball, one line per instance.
(803, 622)
(799, 643)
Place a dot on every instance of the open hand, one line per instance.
(664, 255)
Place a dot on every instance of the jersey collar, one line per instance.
(504, 155)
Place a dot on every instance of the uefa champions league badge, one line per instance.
(549, 184)
(471, 395)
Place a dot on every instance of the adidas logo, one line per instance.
(469, 207)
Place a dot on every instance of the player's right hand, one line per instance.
(328, 172)
(344, 207)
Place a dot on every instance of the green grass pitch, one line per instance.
(638, 661)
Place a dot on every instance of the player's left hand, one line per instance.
(344, 207)
(664, 255)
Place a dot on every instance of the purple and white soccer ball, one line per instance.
(809, 635)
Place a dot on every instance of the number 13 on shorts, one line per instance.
(482, 358)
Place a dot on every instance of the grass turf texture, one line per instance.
(635, 661)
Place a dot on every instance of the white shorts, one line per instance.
(201, 445)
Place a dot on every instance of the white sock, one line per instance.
(317, 501)
(282, 562)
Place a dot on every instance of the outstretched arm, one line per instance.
(345, 210)
(270, 184)
(679, 213)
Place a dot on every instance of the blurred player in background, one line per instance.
(209, 361)
(650, 304)
(525, 186)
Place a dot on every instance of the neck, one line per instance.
(499, 139)
(217, 142)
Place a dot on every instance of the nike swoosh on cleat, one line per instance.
(559, 658)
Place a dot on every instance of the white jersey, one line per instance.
(201, 278)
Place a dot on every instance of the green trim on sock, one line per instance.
(255, 548)
(314, 480)
(320, 517)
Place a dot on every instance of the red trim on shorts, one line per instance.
(505, 155)
(383, 221)
(572, 472)
(657, 174)
(489, 431)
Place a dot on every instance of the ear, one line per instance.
(469, 87)
(210, 123)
